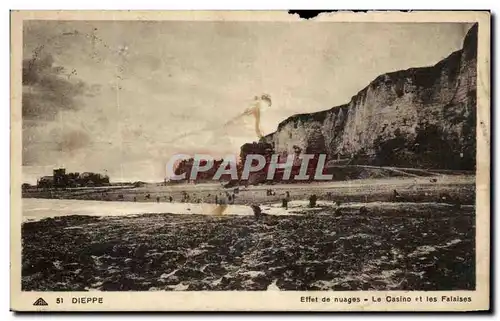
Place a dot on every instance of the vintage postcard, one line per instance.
(250, 161)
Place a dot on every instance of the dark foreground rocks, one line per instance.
(390, 250)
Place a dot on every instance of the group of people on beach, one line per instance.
(221, 198)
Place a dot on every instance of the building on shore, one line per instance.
(62, 179)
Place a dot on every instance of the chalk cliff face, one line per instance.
(419, 117)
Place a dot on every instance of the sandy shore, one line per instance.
(412, 189)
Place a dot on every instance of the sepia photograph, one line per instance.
(187, 156)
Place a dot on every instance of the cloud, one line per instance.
(48, 90)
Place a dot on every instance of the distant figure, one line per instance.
(120, 196)
(284, 203)
(135, 199)
(216, 200)
(288, 195)
(148, 196)
(396, 197)
(257, 212)
(157, 199)
(170, 198)
(312, 200)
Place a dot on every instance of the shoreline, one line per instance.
(40, 209)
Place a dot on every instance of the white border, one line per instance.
(188, 4)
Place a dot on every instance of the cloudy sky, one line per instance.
(112, 96)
